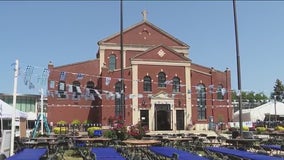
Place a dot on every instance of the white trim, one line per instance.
(114, 46)
(161, 63)
(135, 110)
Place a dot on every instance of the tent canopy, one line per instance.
(259, 112)
(7, 111)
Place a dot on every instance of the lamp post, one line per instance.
(238, 69)
(122, 105)
(275, 112)
(14, 107)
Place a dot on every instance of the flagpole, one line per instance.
(1, 111)
(121, 61)
(41, 110)
(14, 108)
(238, 70)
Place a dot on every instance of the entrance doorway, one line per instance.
(144, 118)
(180, 119)
(163, 117)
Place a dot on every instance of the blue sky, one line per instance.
(67, 32)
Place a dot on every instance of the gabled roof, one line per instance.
(140, 29)
(161, 53)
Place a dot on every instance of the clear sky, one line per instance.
(68, 31)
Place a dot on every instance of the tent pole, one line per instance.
(1, 111)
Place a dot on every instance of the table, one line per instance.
(175, 141)
(277, 135)
(169, 152)
(102, 153)
(141, 142)
(84, 145)
(140, 147)
(91, 141)
(242, 154)
(29, 154)
(44, 139)
(240, 142)
(30, 144)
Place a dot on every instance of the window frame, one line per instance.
(61, 91)
(76, 94)
(201, 101)
(162, 79)
(147, 84)
(220, 96)
(176, 84)
(112, 62)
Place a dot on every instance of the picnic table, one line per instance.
(242, 153)
(29, 154)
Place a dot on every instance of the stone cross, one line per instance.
(144, 14)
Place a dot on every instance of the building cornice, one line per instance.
(160, 63)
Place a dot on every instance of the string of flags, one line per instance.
(29, 74)
(29, 71)
(130, 106)
(42, 79)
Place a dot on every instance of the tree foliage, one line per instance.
(250, 96)
(278, 90)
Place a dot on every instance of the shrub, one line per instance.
(76, 122)
(119, 130)
(260, 129)
(109, 134)
(279, 128)
(245, 128)
(92, 129)
(61, 126)
(57, 130)
(137, 131)
(61, 123)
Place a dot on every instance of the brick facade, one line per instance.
(149, 52)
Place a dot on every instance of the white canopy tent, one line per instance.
(8, 111)
(259, 112)
(31, 116)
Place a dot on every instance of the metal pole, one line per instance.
(238, 69)
(121, 61)
(1, 110)
(41, 111)
(14, 108)
(275, 118)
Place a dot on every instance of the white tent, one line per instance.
(8, 111)
(31, 116)
(259, 112)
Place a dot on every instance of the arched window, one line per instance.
(112, 62)
(76, 89)
(201, 101)
(161, 79)
(119, 103)
(147, 84)
(220, 95)
(61, 89)
(90, 87)
(176, 84)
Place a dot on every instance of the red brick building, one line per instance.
(162, 87)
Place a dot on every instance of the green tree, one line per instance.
(260, 97)
(278, 90)
(250, 97)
